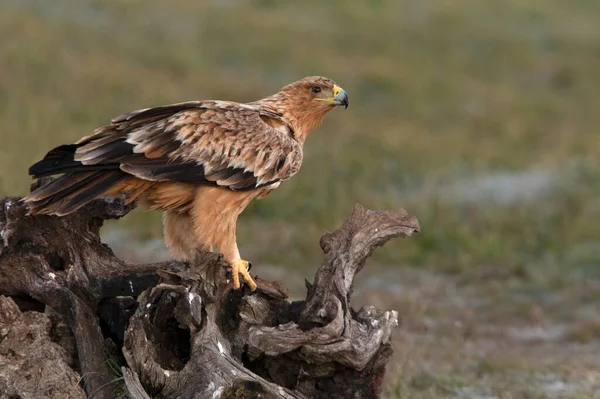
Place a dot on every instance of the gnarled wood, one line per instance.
(32, 361)
(188, 335)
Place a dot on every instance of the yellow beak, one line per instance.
(340, 97)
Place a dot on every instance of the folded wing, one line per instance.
(215, 143)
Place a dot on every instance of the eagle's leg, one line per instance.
(179, 235)
(214, 213)
(226, 243)
(241, 267)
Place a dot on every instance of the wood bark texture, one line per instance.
(178, 330)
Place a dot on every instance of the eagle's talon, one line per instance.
(241, 267)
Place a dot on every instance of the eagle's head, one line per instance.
(316, 92)
(305, 103)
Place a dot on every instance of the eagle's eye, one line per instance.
(315, 89)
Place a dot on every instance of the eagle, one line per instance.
(198, 162)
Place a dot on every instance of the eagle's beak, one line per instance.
(340, 97)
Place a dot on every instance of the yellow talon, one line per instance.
(241, 267)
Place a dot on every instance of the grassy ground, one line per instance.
(480, 117)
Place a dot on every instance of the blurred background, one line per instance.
(479, 117)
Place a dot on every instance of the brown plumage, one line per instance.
(200, 162)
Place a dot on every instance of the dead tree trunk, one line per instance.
(189, 335)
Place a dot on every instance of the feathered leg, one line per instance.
(179, 235)
(214, 214)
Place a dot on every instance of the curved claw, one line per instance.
(241, 267)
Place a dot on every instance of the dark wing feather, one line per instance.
(150, 114)
(61, 160)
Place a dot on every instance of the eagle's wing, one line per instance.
(231, 145)
(219, 143)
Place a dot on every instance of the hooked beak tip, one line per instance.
(341, 98)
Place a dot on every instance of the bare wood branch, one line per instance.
(134, 387)
(191, 335)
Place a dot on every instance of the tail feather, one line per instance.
(64, 185)
(92, 190)
(78, 185)
(70, 192)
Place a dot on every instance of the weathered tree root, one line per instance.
(191, 335)
(32, 359)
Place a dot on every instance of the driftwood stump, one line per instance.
(178, 330)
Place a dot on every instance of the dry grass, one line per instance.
(489, 337)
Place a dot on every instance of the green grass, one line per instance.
(443, 92)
